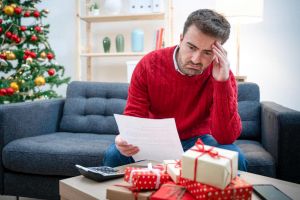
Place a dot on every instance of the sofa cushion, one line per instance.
(259, 160)
(55, 154)
(89, 107)
(249, 110)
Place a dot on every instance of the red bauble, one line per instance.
(18, 10)
(18, 40)
(36, 14)
(23, 28)
(2, 92)
(1, 29)
(27, 14)
(8, 34)
(38, 29)
(14, 37)
(27, 52)
(50, 56)
(51, 72)
(9, 91)
(32, 54)
(33, 38)
(1, 20)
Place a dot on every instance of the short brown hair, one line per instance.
(209, 22)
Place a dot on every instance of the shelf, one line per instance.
(113, 54)
(111, 18)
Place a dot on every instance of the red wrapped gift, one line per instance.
(171, 191)
(238, 189)
(145, 178)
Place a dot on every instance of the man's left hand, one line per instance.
(220, 62)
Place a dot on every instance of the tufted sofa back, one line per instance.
(89, 107)
(249, 110)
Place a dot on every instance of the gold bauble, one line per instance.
(10, 56)
(13, 5)
(14, 86)
(9, 10)
(38, 81)
(43, 55)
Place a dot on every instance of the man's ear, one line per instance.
(181, 37)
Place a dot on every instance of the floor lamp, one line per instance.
(240, 12)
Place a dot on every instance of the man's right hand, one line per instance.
(125, 148)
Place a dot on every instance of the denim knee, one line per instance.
(242, 161)
(113, 157)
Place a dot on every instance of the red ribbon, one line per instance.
(199, 145)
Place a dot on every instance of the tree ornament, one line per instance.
(14, 86)
(2, 92)
(18, 10)
(23, 28)
(10, 56)
(43, 55)
(1, 29)
(50, 56)
(51, 72)
(33, 38)
(8, 34)
(1, 20)
(46, 11)
(29, 60)
(36, 14)
(9, 91)
(27, 14)
(40, 80)
(9, 10)
(38, 29)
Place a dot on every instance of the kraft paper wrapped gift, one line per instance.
(123, 191)
(238, 189)
(209, 165)
(173, 168)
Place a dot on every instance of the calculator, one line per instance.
(101, 173)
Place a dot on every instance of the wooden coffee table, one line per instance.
(81, 188)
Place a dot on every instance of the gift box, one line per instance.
(173, 168)
(145, 178)
(238, 189)
(209, 165)
(123, 191)
(171, 191)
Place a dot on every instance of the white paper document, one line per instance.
(157, 139)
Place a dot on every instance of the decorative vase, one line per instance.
(106, 44)
(120, 43)
(137, 40)
(112, 7)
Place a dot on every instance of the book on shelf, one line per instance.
(159, 38)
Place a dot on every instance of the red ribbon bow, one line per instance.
(199, 145)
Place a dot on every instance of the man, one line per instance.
(192, 83)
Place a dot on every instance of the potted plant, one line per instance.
(94, 9)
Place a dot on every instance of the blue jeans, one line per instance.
(114, 158)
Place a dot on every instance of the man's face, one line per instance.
(195, 51)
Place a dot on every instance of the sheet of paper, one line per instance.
(157, 139)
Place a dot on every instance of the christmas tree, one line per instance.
(28, 69)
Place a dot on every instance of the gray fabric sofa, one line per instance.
(41, 141)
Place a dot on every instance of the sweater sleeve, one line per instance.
(138, 99)
(225, 120)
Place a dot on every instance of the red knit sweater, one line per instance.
(199, 104)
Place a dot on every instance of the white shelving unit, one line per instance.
(87, 53)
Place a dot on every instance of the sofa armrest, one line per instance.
(281, 137)
(19, 120)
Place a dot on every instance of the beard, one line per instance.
(189, 68)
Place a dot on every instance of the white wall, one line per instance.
(269, 50)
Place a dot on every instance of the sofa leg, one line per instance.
(17, 197)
